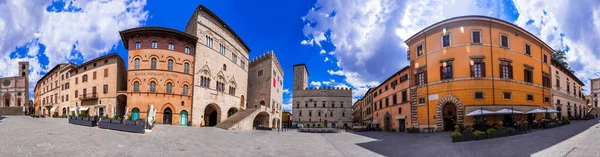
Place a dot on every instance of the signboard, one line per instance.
(433, 97)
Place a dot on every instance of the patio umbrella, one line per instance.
(507, 111)
(480, 112)
(537, 110)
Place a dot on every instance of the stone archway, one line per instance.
(212, 115)
(448, 99)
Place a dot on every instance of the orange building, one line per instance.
(391, 108)
(160, 73)
(475, 62)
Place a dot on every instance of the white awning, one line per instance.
(83, 109)
(400, 117)
(480, 112)
(508, 111)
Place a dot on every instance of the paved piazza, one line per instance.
(25, 136)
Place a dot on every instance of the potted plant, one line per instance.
(491, 132)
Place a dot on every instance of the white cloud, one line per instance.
(566, 24)
(80, 30)
(368, 35)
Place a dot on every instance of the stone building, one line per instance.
(595, 96)
(14, 92)
(48, 90)
(476, 62)
(93, 86)
(319, 107)
(391, 108)
(221, 70)
(567, 93)
(160, 72)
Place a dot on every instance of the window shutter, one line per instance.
(483, 69)
(510, 71)
(472, 70)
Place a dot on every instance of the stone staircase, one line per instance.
(242, 120)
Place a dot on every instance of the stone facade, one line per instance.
(14, 92)
(324, 107)
(94, 86)
(265, 86)
(567, 92)
(161, 76)
(221, 65)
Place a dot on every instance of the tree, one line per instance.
(560, 56)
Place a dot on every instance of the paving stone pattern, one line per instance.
(49, 137)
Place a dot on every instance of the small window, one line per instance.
(476, 37)
(187, 50)
(478, 95)
(507, 96)
(171, 46)
(529, 97)
(528, 49)
(154, 44)
(420, 50)
(446, 40)
(138, 45)
(504, 41)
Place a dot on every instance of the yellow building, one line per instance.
(475, 62)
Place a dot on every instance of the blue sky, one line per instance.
(345, 43)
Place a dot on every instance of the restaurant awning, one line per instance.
(508, 111)
(480, 112)
(83, 109)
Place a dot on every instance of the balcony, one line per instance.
(88, 96)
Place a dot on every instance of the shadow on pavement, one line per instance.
(440, 144)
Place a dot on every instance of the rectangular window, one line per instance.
(478, 95)
(528, 49)
(529, 97)
(507, 96)
(476, 37)
(504, 41)
(420, 50)
(446, 40)
(528, 74)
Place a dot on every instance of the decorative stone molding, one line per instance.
(443, 101)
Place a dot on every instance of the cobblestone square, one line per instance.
(25, 136)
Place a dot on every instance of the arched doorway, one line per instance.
(231, 112)
(183, 117)
(211, 115)
(135, 113)
(387, 122)
(167, 115)
(261, 121)
(449, 116)
(457, 113)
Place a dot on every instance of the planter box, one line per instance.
(82, 122)
(129, 127)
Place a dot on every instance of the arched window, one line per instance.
(154, 44)
(185, 90)
(171, 46)
(186, 68)
(187, 50)
(136, 63)
(136, 86)
(170, 65)
(169, 88)
(152, 86)
(153, 63)
(138, 45)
